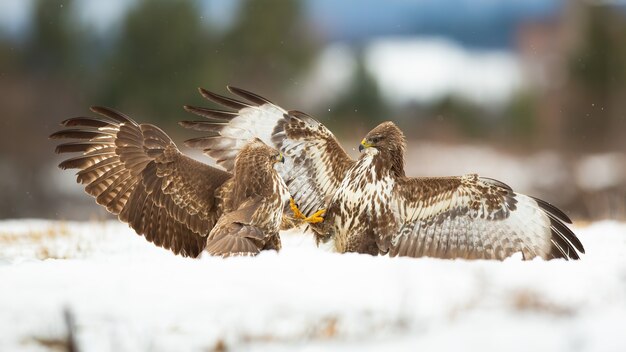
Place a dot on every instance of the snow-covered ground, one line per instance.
(124, 294)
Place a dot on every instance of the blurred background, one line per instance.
(531, 92)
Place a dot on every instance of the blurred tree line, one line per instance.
(148, 66)
(150, 63)
(595, 101)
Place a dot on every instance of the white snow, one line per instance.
(125, 294)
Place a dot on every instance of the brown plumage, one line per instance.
(371, 205)
(136, 172)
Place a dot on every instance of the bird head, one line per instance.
(387, 143)
(386, 137)
(256, 152)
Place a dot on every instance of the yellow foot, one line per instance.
(296, 212)
(317, 217)
(313, 219)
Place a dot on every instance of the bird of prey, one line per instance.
(175, 202)
(369, 205)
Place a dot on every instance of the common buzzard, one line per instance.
(371, 205)
(175, 202)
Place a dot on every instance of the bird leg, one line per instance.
(313, 219)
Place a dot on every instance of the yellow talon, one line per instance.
(296, 212)
(317, 217)
(313, 219)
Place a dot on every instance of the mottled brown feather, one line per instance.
(136, 172)
(120, 158)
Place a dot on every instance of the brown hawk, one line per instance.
(371, 206)
(175, 202)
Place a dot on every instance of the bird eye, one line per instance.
(278, 157)
(375, 139)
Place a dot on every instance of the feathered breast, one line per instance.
(362, 205)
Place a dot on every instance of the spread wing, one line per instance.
(137, 173)
(237, 233)
(315, 163)
(472, 217)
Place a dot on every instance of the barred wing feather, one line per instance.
(136, 172)
(315, 163)
(471, 217)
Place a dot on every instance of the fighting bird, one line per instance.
(175, 202)
(369, 205)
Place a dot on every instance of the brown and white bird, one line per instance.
(370, 205)
(175, 202)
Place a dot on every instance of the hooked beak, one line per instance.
(280, 158)
(363, 145)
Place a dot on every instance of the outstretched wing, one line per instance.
(471, 217)
(315, 163)
(137, 173)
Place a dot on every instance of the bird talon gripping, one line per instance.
(296, 212)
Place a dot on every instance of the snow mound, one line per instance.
(113, 291)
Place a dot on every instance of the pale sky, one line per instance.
(14, 14)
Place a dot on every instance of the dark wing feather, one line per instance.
(315, 163)
(471, 217)
(137, 173)
(552, 210)
(211, 114)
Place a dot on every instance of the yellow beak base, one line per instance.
(364, 145)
